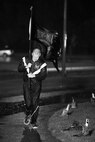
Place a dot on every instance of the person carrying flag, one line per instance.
(34, 72)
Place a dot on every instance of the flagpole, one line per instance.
(30, 29)
(64, 38)
(30, 40)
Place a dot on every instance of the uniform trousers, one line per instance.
(31, 92)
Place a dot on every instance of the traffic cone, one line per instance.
(93, 98)
(66, 110)
(73, 104)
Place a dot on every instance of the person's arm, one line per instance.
(42, 74)
(23, 66)
(39, 74)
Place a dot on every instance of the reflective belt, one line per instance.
(25, 64)
(24, 61)
(37, 71)
(41, 67)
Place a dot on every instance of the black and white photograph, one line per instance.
(47, 71)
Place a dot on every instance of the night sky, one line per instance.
(15, 14)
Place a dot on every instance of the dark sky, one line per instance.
(15, 14)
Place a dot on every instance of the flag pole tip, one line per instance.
(31, 7)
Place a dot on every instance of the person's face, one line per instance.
(36, 54)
